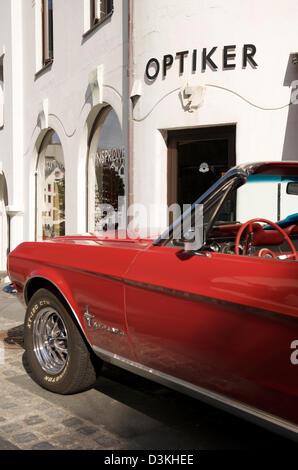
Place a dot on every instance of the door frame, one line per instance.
(224, 132)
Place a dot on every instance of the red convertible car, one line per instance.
(217, 319)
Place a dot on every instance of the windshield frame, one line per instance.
(235, 176)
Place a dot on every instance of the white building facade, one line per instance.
(215, 79)
(63, 100)
(136, 102)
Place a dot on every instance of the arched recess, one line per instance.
(106, 173)
(4, 226)
(50, 188)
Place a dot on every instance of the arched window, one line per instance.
(50, 189)
(106, 175)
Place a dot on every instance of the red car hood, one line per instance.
(119, 239)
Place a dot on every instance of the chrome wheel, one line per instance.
(50, 341)
(57, 354)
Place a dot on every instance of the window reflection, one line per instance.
(51, 189)
(47, 31)
(106, 175)
(99, 9)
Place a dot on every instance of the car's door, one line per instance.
(222, 322)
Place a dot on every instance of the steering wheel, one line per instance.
(249, 225)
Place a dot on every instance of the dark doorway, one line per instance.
(197, 158)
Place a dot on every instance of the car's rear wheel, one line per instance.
(56, 352)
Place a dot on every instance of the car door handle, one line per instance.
(206, 254)
(185, 255)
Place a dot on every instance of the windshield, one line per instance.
(234, 202)
(262, 196)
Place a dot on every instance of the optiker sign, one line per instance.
(205, 58)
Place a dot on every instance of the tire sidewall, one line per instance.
(57, 382)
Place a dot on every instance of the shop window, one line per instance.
(47, 32)
(106, 175)
(99, 9)
(50, 212)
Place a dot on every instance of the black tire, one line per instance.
(59, 360)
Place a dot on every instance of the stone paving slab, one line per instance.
(6, 445)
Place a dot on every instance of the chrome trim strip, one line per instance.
(238, 307)
(250, 413)
(109, 277)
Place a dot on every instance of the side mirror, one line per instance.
(292, 188)
(193, 239)
(193, 230)
(188, 231)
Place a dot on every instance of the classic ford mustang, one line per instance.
(210, 308)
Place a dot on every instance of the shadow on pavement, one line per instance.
(13, 338)
(119, 395)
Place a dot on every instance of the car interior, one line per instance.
(254, 217)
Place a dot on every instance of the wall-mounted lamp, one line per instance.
(136, 91)
(193, 96)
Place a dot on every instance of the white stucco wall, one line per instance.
(255, 99)
(11, 134)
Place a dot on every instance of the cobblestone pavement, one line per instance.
(122, 411)
(29, 421)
